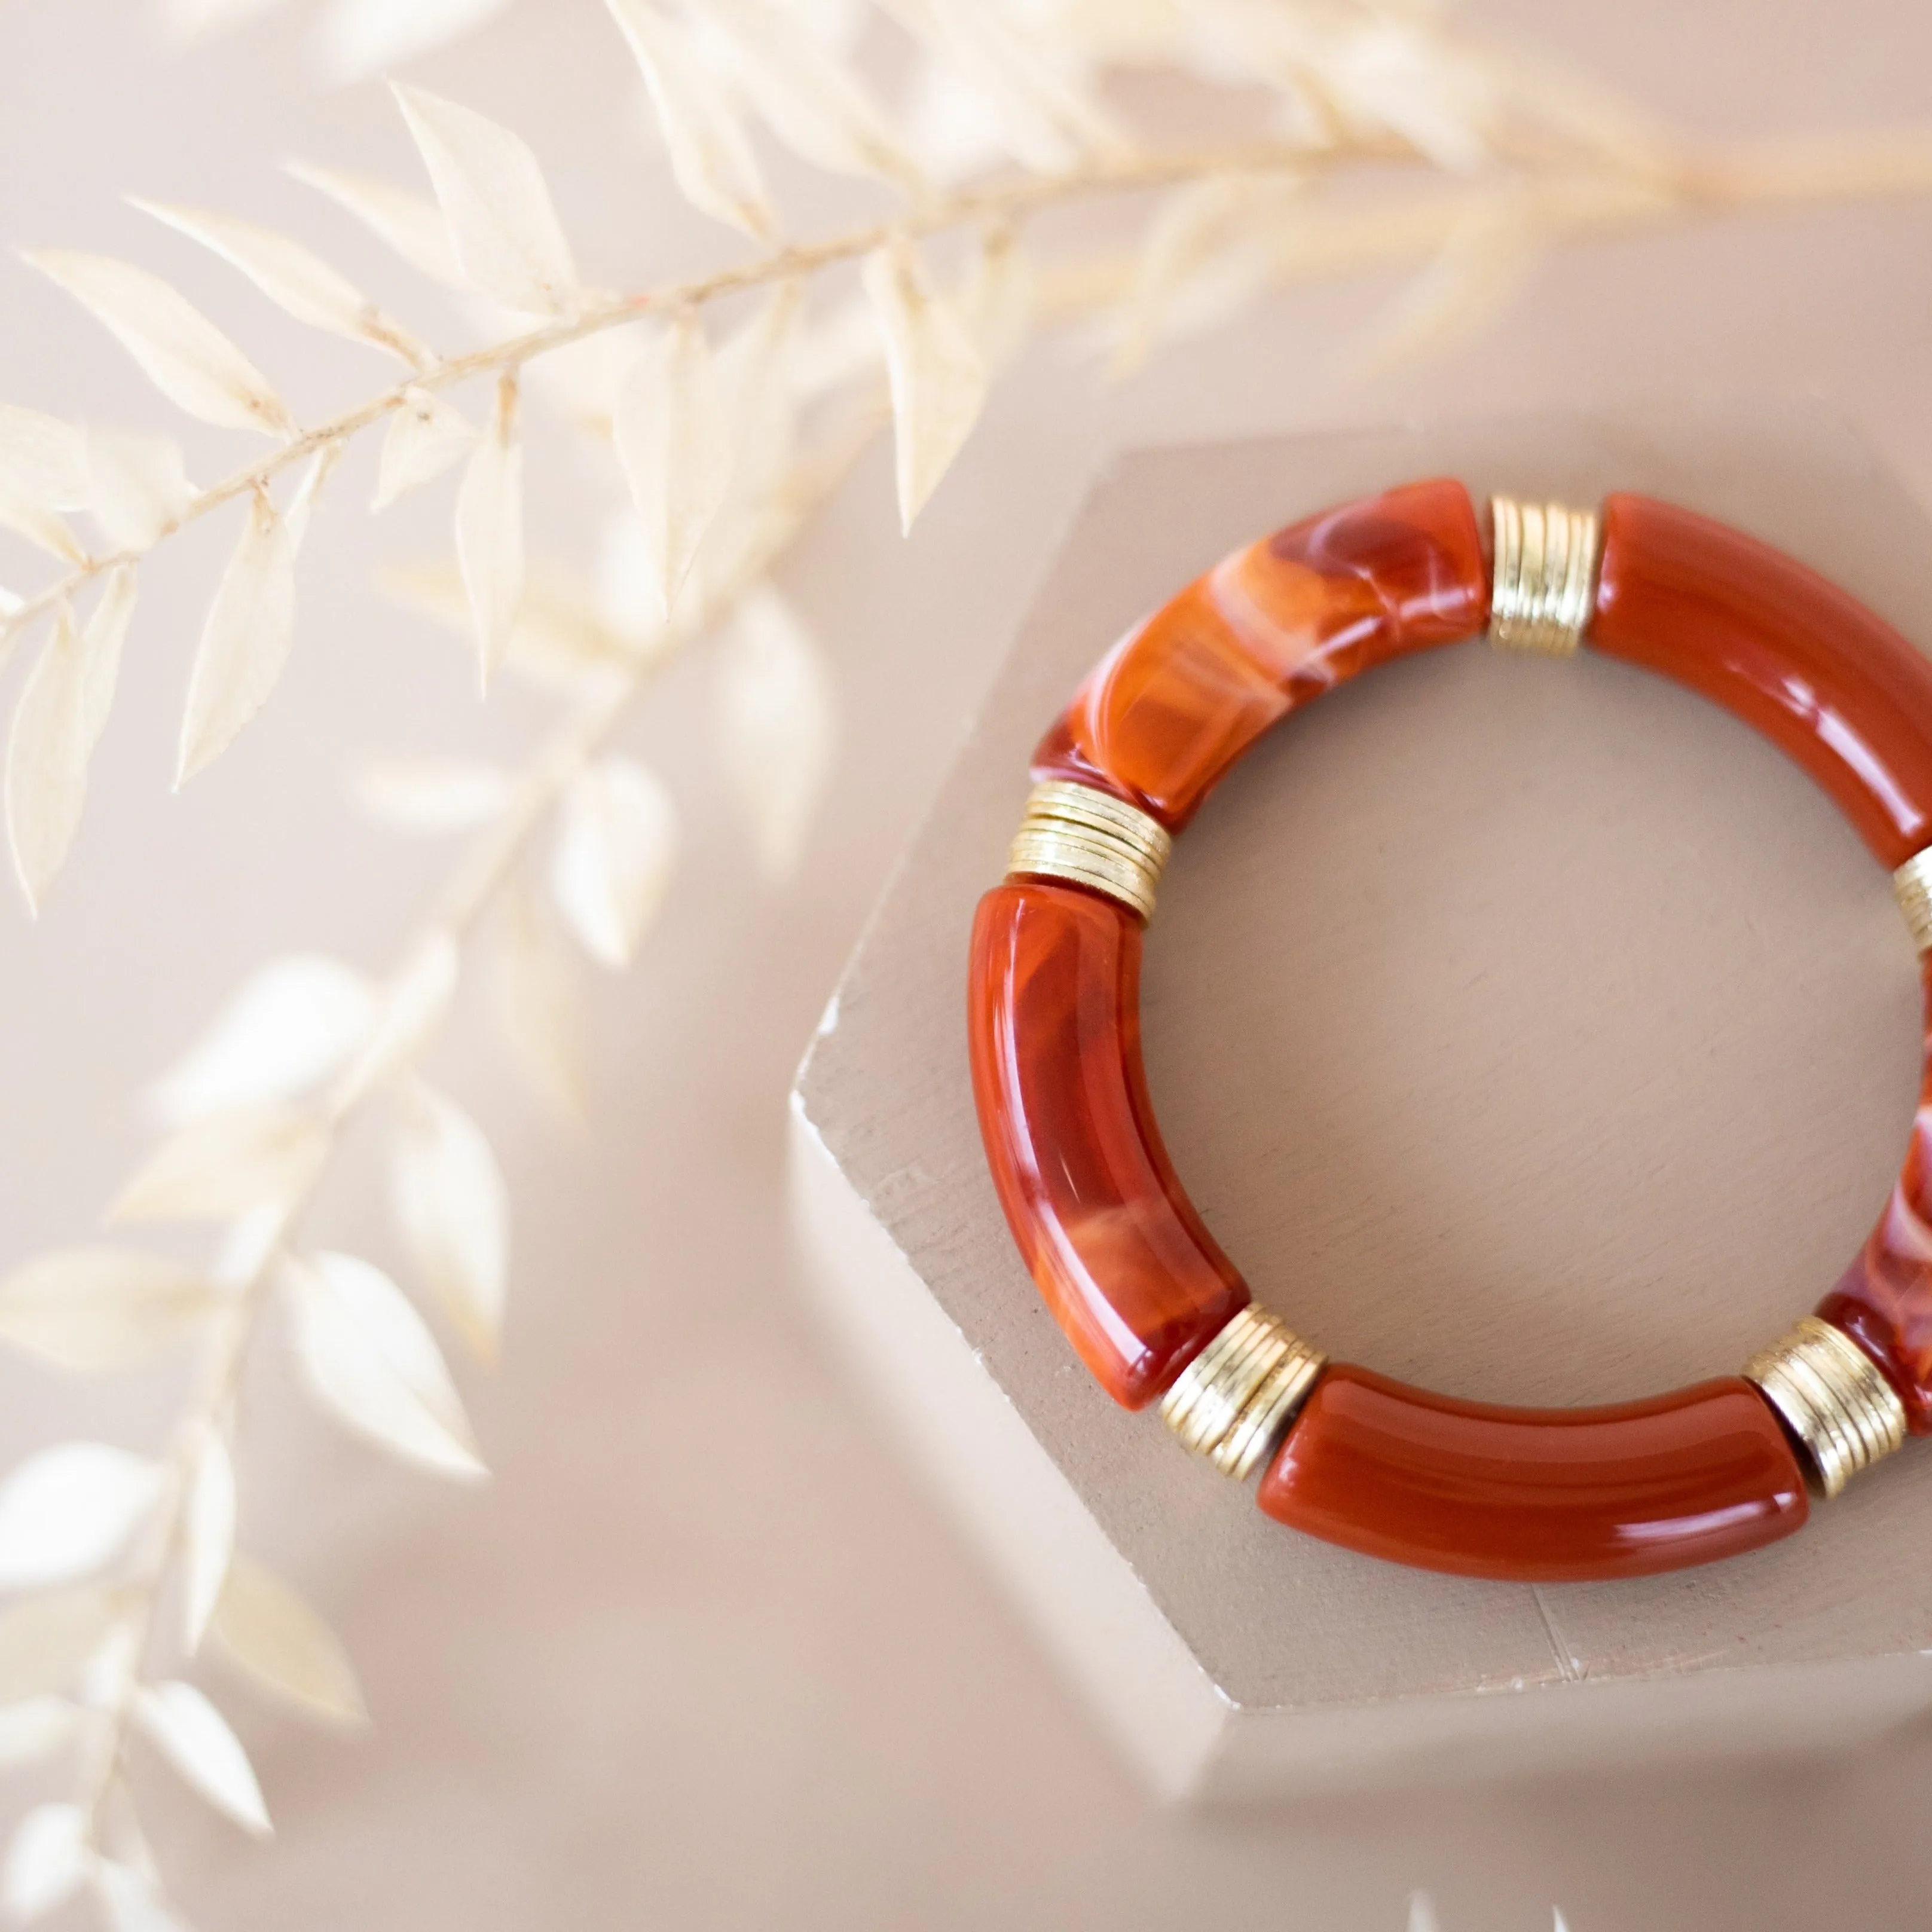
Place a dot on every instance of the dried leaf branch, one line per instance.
(369, 1358)
(1567, 207)
(725, 445)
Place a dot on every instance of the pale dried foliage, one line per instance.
(728, 405)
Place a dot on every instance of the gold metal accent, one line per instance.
(1912, 886)
(1545, 575)
(1079, 832)
(1830, 1393)
(1235, 1401)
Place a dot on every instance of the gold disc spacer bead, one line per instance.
(1546, 576)
(1912, 886)
(1833, 1397)
(1235, 1401)
(1089, 837)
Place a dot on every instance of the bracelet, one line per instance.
(1119, 1253)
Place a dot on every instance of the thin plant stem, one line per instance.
(1740, 177)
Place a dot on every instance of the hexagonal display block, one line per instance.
(1523, 1028)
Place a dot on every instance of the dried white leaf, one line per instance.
(94, 1308)
(938, 381)
(775, 725)
(245, 643)
(62, 713)
(246, 1246)
(1585, 111)
(753, 375)
(185, 355)
(43, 470)
(293, 277)
(410, 1014)
(426, 436)
(45, 1641)
(224, 1164)
(810, 100)
(561, 642)
(41, 528)
(1029, 106)
(268, 1630)
(137, 486)
(67, 1510)
(454, 1213)
(112, 1669)
(489, 530)
(1208, 247)
(947, 125)
(617, 832)
(571, 639)
(208, 1528)
(1481, 264)
(1383, 74)
(131, 1899)
(105, 632)
(675, 440)
(35, 1729)
(295, 519)
(360, 37)
(46, 1861)
(289, 1026)
(504, 231)
(838, 348)
(1189, 226)
(43, 461)
(755, 367)
(711, 156)
(413, 227)
(369, 1358)
(579, 381)
(433, 796)
(537, 1002)
(996, 305)
(193, 1736)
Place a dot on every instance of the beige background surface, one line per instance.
(664, 1670)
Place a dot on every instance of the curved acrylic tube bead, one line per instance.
(1884, 1299)
(1117, 1249)
(1536, 1495)
(1824, 679)
(1183, 695)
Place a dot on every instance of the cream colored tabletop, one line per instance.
(703, 1654)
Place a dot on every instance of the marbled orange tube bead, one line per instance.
(1115, 1246)
(1183, 695)
(1884, 1299)
(1544, 1496)
(1826, 680)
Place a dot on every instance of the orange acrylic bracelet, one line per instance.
(1148, 1300)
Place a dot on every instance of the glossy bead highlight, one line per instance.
(1827, 681)
(1106, 1230)
(1545, 1495)
(1183, 695)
